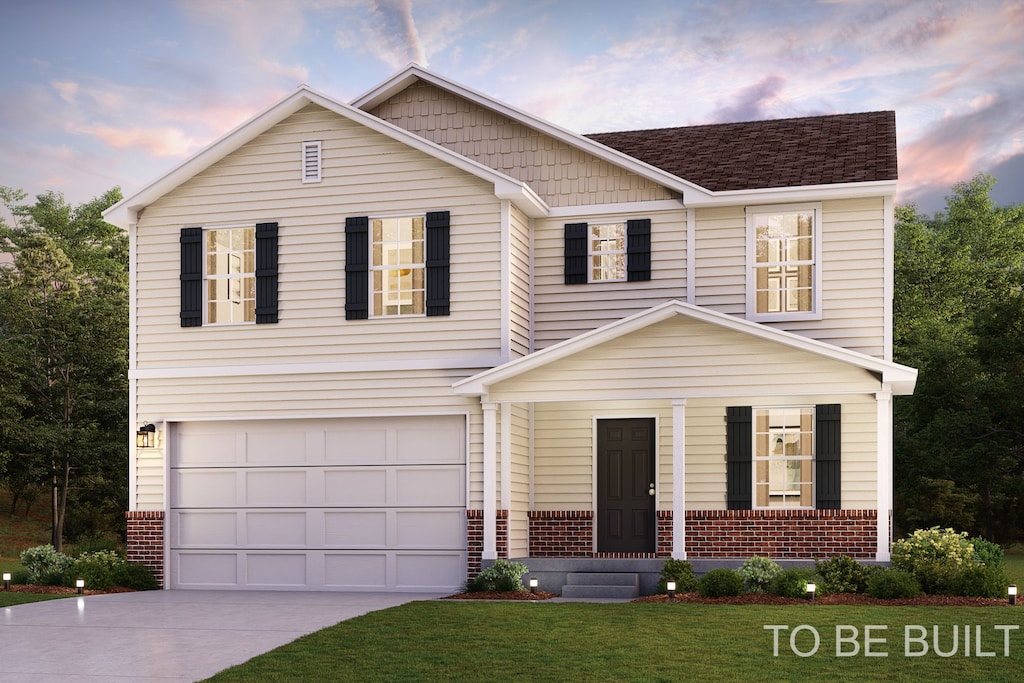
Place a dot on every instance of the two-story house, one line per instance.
(374, 344)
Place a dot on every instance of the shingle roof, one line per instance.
(816, 150)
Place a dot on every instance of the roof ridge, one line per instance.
(741, 123)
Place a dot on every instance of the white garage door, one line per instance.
(367, 504)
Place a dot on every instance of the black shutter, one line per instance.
(357, 270)
(266, 273)
(739, 449)
(437, 263)
(638, 250)
(191, 277)
(575, 253)
(827, 456)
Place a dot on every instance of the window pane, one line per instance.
(398, 260)
(783, 456)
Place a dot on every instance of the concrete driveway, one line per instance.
(165, 635)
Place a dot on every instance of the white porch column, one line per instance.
(505, 501)
(490, 551)
(884, 403)
(679, 479)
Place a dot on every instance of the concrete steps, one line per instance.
(601, 585)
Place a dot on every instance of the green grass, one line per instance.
(476, 641)
(8, 599)
(1015, 569)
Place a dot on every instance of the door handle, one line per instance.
(650, 490)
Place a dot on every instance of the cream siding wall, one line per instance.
(560, 174)
(520, 279)
(564, 449)
(563, 311)
(518, 521)
(365, 173)
(852, 271)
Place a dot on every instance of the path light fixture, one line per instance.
(1011, 591)
(80, 586)
(811, 589)
(533, 586)
(7, 581)
(671, 587)
(146, 436)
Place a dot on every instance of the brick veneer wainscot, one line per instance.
(475, 538)
(145, 538)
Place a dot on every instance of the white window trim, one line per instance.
(373, 268)
(318, 146)
(206, 274)
(625, 250)
(751, 281)
(754, 459)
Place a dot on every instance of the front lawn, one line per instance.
(542, 641)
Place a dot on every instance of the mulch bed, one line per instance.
(62, 590)
(833, 599)
(499, 595)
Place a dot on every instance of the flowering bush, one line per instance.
(947, 562)
(45, 565)
(503, 575)
(757, 573)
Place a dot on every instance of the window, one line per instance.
(784, 262)
(607, 252)
(398, 266)
(783, 457)
(229, 275)
(311, 166)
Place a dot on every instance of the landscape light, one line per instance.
(7, 581)
(1012, 592)
(671, 586)
(811, 588)
(80, 586)
(533, 585)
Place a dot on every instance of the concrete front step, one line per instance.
(601, 585)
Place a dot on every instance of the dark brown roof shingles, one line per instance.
(815, 150)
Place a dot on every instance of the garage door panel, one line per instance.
(205, 569)
(429, 441)
(276, 570)
(288, 448)
(276, 529)
(194, 528)
(356, 570)
(430, 529)
(355, 487)
(416, 571)
(427, 486)
(207, 449)
(356, 528)
(279, 487)
(204, 488)
(356, 447)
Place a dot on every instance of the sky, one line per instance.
(102, 93)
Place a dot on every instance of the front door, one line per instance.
(625, 486)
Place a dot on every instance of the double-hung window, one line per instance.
(398, 266)
(784, 262)
(230, 275)
(607, 251)
(784, 457)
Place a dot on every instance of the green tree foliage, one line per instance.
(959, 318)
(63, 345)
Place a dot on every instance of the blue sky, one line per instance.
(117, 92)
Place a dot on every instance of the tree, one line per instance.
(63, 338)
(958, 317)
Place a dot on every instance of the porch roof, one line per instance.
(765, 340)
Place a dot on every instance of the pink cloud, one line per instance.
(161, 142)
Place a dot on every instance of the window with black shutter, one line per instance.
(607, 252)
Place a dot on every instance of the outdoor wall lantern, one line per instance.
(7, 581)
(811, 588)
(80, 586)
(670, 586)
(533, 585)
(1012, 592)
(146, 436)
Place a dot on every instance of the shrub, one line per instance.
(988, 553)
(980, 581)
(503, 575)
(96, 568)
(719, 583)
(134, 576)
(757, 573)
(889, 584)
(792, 583)
(679, 571)
(934, 556)
(843, 574)
(45, 565)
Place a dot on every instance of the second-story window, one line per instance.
(398, 266)
(231, 275)
(784, 262)
(607, 252)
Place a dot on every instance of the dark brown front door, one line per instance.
(625, 485)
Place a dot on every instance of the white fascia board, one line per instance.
(901, 377)
(120, 213)
(414, 72)
(796, 194)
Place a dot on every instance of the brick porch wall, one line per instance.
(475, 538)
(145, 541)
(780, 534)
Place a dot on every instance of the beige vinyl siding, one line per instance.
(682, 357)
(560, 174)
(518, 521)
(564, 460)
(149, 480)
(852, 272)
(365, 173)
(520, 324)
(563, 311)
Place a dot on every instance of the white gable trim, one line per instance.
(900, 377)
(125, 212)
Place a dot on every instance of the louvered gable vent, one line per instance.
(311, 162)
